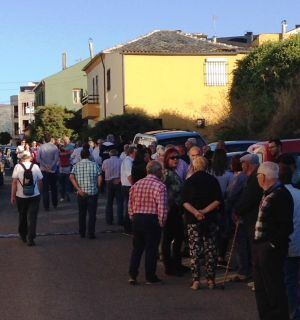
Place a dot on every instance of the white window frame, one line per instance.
(76, 96)
(216, 72)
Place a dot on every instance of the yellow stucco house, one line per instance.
(170, 75)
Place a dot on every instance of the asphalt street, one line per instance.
(66, 277)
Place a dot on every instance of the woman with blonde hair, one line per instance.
(202, 197)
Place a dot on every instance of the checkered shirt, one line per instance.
(86, 174)
(149, 196)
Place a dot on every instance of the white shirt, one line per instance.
(97, 157)
(126, 171)
(18, 173)
(75, 156)
(294, 245)
(20, 150)
(123, 155)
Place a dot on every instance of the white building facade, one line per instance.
(23, 109)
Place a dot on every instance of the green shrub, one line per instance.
(124, 127)
(257, 85)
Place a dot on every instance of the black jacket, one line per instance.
(248, 204)
(278, 219)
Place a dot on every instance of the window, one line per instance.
(16, 125)
(108, 86)
(216, 72)
(76, 96)
(97, 86)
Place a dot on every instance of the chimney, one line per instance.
(91, 48)
(249, 36)
(64, 61)
(283, 27)
(214, 39)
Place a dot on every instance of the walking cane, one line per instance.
(230, 254)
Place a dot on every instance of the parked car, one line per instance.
(290, 146)
(234, 146)
(165, 137)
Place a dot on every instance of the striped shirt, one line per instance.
(149, 196)
(86, 174)
(112, 168)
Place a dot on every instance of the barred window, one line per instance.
(216, 73)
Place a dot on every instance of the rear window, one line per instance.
(238, 147)
(145, 141)
(180, 140)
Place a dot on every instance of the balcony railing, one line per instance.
(90, 99)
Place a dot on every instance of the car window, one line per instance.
(145, 141)
(238, 147)
(179, 140)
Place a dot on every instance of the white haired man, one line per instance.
(148, 211)
(272, 229)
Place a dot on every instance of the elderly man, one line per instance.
(193, 154)
(190, 142)
(148, 211)
(25, 191)
(273, 226)
(247, 209)
(48, 157)
(112, 173)
(126, 182)
(86, 179)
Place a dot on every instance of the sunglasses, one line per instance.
(174, 158)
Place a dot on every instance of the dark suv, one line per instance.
(165, 137)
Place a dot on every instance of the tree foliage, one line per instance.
(51, 119)
(124, 127)
(5, 137)
(261, 81)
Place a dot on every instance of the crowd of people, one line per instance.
(174, 197)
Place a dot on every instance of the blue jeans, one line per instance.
(113, 190)
(291, 276)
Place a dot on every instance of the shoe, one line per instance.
(195, 285)
(239, 278)
(62, 200)
(30, 243)
(154, 281)
(211, 284)
(82, 235)
(132, 281)
(184, 269)
(251, 285)
(92, 236)
(47, 209)
(23, 238)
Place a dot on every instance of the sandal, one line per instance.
(196, 285)
(211, 284)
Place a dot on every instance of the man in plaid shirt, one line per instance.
(86, 179)
(147, 209)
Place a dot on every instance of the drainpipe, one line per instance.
(104, 86)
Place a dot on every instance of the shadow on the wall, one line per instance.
(173, 120)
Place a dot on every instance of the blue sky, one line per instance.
(34, 33)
